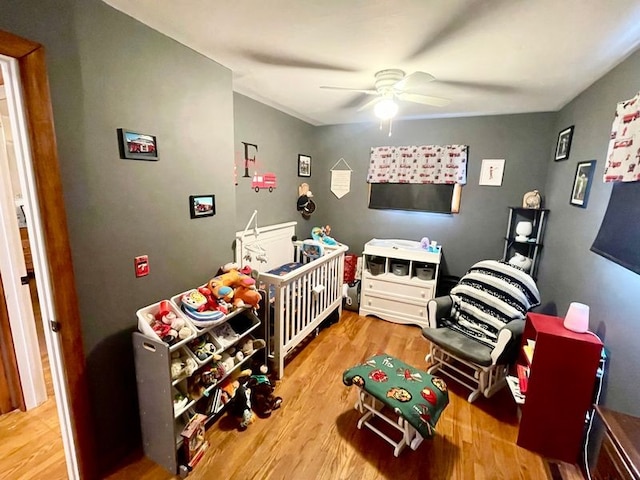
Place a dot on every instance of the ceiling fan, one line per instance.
(393, 84)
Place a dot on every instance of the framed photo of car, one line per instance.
(137, 146)
(202, 205)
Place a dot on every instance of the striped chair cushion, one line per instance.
(490, 295)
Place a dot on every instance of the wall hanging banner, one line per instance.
(623, 155)
(340, 179)
(419, 164)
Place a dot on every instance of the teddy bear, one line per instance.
(263, 401)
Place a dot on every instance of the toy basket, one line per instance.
(207, 337)
(145, 328)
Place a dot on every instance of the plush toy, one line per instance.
(236, 285)
(321, 234)
(168, 326)
(200, 309)
(238, 396)
(263, 401)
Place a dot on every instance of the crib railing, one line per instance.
(300, 300)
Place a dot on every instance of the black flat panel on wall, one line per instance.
(411, 196)
(619, 237)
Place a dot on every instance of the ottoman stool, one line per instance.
(414, 398)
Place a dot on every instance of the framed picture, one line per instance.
(491, 172)
(564, 143)
(582, 183)
(202, 205)
(137, 146)
(304, 166)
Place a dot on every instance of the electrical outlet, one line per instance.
(141, 265)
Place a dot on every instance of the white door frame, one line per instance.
(13, 267)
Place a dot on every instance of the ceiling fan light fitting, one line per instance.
(386, 109)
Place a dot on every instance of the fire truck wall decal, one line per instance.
(137, 146)
(263, 180)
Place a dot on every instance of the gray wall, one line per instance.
(571, 271)
(280, 138)
(107, 71)
(477, 232)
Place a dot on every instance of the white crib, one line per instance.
(298, 301)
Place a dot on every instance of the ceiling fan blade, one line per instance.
(370, 103)
(414, 80)
(368, 92)
(286, 60)
(424, 99)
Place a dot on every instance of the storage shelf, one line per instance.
(161, 424)
(398, 298)
(531, 248)
(560, 387)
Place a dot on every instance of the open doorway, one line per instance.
(28, 413)
(24, 68)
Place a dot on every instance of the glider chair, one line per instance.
(475, 331)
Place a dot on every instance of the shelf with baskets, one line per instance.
(177, 377)
(398, 279)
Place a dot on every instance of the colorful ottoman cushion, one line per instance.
(416, 395)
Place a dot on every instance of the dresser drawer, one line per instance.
(383, 287)
(389, 306)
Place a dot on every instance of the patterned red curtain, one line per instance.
(419, 164)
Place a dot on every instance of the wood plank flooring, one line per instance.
(314, 434)
(30, 442)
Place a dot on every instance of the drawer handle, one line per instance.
(371, 285)
(422, 294)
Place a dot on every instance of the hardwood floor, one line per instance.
(30, 442)
(314, 434)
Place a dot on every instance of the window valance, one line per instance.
(623, 154)
(419, 164)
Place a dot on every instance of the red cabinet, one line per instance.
(560, 390)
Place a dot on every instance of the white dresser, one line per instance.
(399, 277)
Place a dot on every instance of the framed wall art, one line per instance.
(564, 143)
(582, 183)
(304, 166)
(202, 205)
(491, 172)
(137, 146)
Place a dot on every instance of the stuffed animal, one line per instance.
(235, 285)
(263, 401)
(238, 396)
(321, 234)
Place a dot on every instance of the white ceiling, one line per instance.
(488, 56)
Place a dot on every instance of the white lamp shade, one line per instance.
(386, 109)
(577, 318)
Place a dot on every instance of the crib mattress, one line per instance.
(416, 395)
(282, 270)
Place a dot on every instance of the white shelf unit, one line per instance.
(161, 425)
(399, 298)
